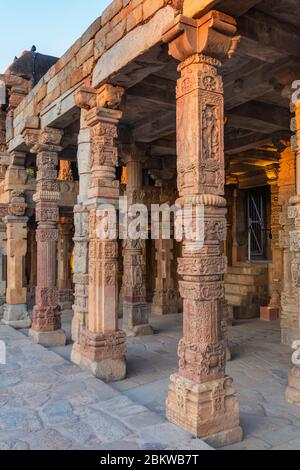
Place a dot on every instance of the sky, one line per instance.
(51, 25)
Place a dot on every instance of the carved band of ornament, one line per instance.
(199, 59)
(82, 279)
(296, 273)
(51, 186)
(46, 318)
(47, 160)
(200, 292)
(46, 296)
(198, 361)
(47, 214)
(46, 235)
(103, 119)
(202, 266)
(17, 209)
(100, 250)
(209, 200)
(46, 196)
(295, 241)
(101, 346)
(4, 210)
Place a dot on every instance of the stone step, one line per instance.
(246, 270)
(240, 289)
(244, 279)
(234, 299)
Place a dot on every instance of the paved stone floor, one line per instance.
(46, 402)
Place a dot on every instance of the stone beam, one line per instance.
(259, 117)
(146, 91)
(61, 112)
(134, 45)
(236, 143)
(154, 127)
(236, 8)
(260, 31)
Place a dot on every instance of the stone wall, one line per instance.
(75, 67)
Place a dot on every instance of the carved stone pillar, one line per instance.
(289, 296)
(135, 308)
(46, 322)
(3, 238)
(81, 238)
(201, 397)
(32, 252)
(165, 300)
(81, 276)
(64, 252)
(235, 245)
(166, 296)
(293, 390)
(103, 345)
(272, 311)
(15, 309)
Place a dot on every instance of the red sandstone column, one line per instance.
(293, 389)
(272, 311)
(201, 397)
(103, 345)
(135, 308)
(15, 310)
(64, 278)
(289, 322)
(46, 321)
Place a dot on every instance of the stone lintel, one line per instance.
(133, 45)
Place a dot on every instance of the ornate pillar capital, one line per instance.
(272, 174)
(43, 140)
(213, 35)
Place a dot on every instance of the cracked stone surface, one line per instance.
(47, 403)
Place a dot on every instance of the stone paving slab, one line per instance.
(48, 403)
(259, 368)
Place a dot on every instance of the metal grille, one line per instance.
(256, 221)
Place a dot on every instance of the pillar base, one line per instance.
(140, 330)
(136, 320)
(49, 339)
(209, 411)
(161, 310)
(108, 370)
(269, 314)
(2, 303)
(288, 336)
(228, 354)
(103, 354)
(293, 391)
(16, 316)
